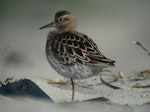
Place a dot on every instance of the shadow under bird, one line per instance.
(73, 54)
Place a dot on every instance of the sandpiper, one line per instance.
(73, 54)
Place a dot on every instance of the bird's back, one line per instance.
(72, 47)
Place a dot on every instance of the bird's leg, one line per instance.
(73, 89)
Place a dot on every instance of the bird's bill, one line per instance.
(48, 25)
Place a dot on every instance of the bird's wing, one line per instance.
(78, 48)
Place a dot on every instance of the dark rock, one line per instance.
(23, 87)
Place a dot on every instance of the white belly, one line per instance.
(77, 71)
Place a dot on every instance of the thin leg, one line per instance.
(73, 89)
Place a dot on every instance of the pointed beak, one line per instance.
(52, 24)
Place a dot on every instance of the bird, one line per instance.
(73, 54)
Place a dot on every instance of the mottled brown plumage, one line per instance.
(73, 54)
(73, 47)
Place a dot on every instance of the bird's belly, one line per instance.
(76, 71)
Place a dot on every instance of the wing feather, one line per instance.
(74, 47)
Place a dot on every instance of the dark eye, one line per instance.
(59, 19)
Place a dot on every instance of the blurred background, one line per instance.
(112, 24)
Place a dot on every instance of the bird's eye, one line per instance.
(60, 19)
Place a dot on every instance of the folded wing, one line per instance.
(74, 47)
